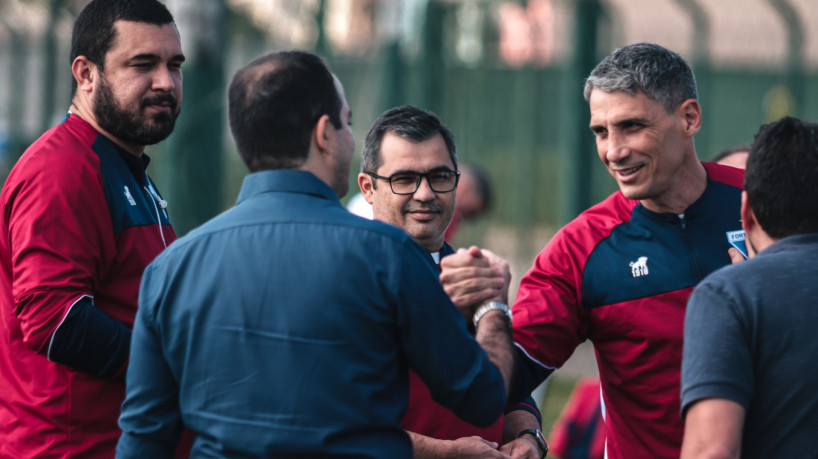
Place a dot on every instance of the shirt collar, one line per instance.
(285, 180)
(137, 164)
(794, 242)
(444, 251)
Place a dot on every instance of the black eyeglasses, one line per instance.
(440, 181)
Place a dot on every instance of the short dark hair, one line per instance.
(661, 74)
(275, 101)
(782, 170)
(409, 123)
(94, 28)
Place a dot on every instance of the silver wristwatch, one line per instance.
(492, 305)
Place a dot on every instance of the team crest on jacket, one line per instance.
(128, 196)
(639, 267)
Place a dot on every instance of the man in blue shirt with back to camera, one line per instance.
(286, 326)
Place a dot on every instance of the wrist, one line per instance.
(537, 436)
(492, 306)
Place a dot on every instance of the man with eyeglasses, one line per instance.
(409, 175)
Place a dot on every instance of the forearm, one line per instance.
(698, 449)
(529, 445)
(90, 341)
(151, 419)
(516, 421)
(713, 429)
(430, 448)
(461, 448)
(527, 404)
(494, 335)
(527, 376)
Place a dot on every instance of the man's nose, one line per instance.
(163, 80)
(424, 192)
(617, 148)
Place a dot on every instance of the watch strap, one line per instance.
(541, 443)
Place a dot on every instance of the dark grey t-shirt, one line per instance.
(751, 336)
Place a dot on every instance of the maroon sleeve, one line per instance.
(547, 308)
(59, 234)
(549, 320)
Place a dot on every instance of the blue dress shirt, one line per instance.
(285, 327)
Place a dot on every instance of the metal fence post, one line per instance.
(577, 143)
(193, 155)
(701, 66)
(794, 76)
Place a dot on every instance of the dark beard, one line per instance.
(129, 127)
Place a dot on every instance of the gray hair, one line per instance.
(661, 74)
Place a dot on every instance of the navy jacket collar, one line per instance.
(136, 164)
(699, 207)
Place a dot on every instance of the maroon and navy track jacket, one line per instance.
(80, 219)
(620, 276)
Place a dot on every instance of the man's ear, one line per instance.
(692, 116)
(367, 187)
(323, 134)
(85, 72)
(749, 224)
(748, 218)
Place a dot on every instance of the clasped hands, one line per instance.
(474, 276)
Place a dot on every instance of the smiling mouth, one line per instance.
(628, 171)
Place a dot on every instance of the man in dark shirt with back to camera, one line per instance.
(286, 326)
(748, 377)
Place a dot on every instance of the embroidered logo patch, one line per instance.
(128, 196)
(639, 267)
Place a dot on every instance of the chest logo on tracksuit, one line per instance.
(639, 267)
(128, 196)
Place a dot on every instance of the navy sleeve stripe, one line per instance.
(90, 341)
(70, 308)
(528, 405)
